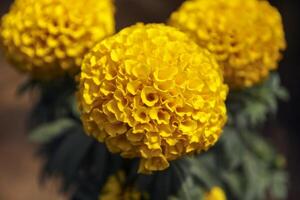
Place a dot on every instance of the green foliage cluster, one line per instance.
(243, 163)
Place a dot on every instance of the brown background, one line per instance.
(19, 168)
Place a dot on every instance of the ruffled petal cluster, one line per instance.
(48, 38)
(115, 189)
(247, 37)
(151, 92)
(216, 193)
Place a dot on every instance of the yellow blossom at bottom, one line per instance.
(216, 193)
(115, 189)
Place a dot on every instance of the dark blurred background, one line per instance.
(19, 167)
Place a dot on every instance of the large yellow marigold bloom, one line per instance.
(246, 36)
(115, 189)
(151, 92)
(216, 193)
(48, 38)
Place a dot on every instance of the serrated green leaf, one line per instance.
(257, 175)
(189, 190)
(233, 148)
(250, 107)
(234, 183)
(203, 172)
(70, 154)
(257, 145)
(256, 112)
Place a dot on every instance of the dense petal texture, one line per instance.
(115, 188)
(48, 38)
(216, 193)
(151, 92)
(247, 37)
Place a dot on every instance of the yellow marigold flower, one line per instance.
(247, 37)
(115, 189)
(216, 193)
(48, 38)
(151, 92)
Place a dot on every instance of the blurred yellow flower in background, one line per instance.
(216, 193)
(151, 92)
(48, 38)
(247, 37)
(115, 189)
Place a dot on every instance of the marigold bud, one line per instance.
(216, 193)
(116, 188)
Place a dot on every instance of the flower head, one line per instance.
(48, 38)
(247, 37)
(151, 92)
(216, 193)
(115, 188)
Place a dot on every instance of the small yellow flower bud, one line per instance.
(216, 193)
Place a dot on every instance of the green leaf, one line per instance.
(48, 131)
(257, 145)
(70, 154)
(74, 106)
(204, 170)
(250, 107)
(233, 148)
(279, 184)
(28, 85)
(257, 174)
(189, 191)
(234, 183)
(275, 84)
